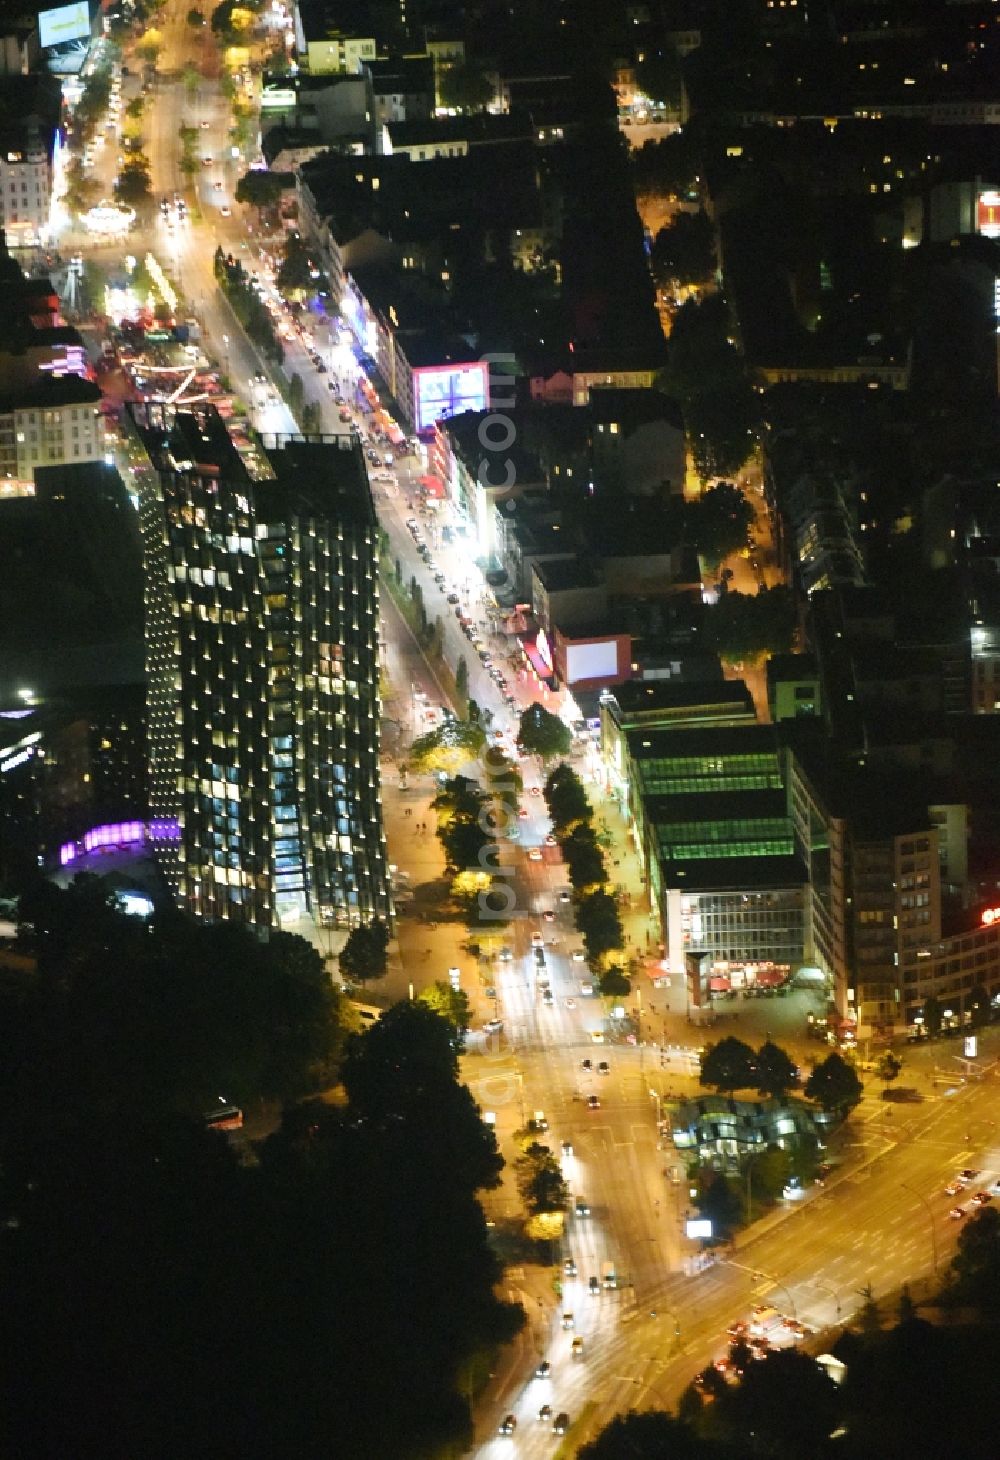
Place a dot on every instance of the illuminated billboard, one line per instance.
(988, 214)
(597, 660)
(447, 390)
(67, 23)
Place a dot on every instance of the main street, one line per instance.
(883, 1222)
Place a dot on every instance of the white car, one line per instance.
(579, 956)
(534, 854)
(537, 941)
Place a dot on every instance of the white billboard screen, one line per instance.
(591, 661)
(68, 23)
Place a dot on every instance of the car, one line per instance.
(226, 211)
(207, 160)
(568, 1321)
(567, 1148)
(453, 598)
(440, 578)
(587, 1065)
(982, 1197)
(578, 955)
(545, 1412)
(205, 126)
(548, 999)
(576, 1347)
(493, 1026)
(953, 1188)
(957, 1213)
(593, 1286)
(218, 185)
(506, 956)
(561, 1423)
(522, 812)
(549, 915)
(534, 854)
(569, 1268)
(967, 1174)
(550, 840)
(593, 1102)
(581, 1208)
(596, 1036)
(603, 1068)
(508, 1424)
(537, 941)
(543, 1370)
(540, 1121)
(534, 790)
(565, 895)
(571, 1003)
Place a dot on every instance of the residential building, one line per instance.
(29, 141)
(262, 664)
(52, 422)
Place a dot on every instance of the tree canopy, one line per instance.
(685, 250)
(719, 521)
(449, 748)
(774, 1070)
(365, 954)
(834, 1085)
(543, 734)
(465, 88)
(565, 799)
(745, 626)
(727, 1065)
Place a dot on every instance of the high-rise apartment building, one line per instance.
(262, 667)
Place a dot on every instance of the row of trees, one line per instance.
(707, 374)
(747, 626)
(594, 908)
(247, 305)
(730, 1065)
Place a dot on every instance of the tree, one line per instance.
(719, 522)
(776, 1071)
(649, 1435)
(134, 108)
(465, 88)
(543, 734)
(598, 921)
(261, 189)
(365, 955)
(768, 1172)
(719, 1200)
(976, 1264)
(150, 46)
(540, 1181)
(727, 1065)
(684, 250)
(658, 76)
(296, 270)
(834, 1085)
(933, 1013)
(614, 983)
(448, 748)
(889, 1067)
(666, 168)
(743, 626)
(195, 18)
(721, 423)
(566, 800)
(461, 677)
(296, 394)
(310, 419)
(788, 1400)
(583, 857)
(132, 186)
(451, 1004)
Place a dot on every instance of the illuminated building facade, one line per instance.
(262, 665)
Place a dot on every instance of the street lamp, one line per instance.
(930, 1217)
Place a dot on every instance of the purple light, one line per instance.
(117, 836)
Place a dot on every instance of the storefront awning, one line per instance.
(433, 486)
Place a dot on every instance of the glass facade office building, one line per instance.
(262, 668)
